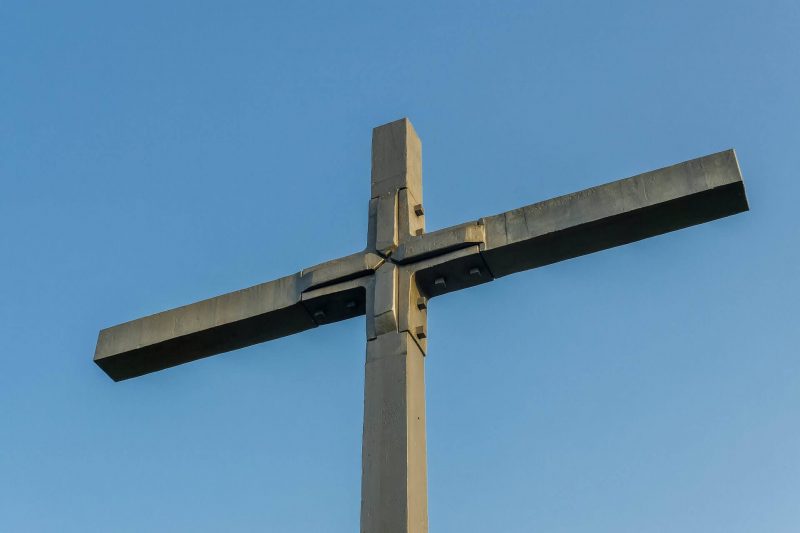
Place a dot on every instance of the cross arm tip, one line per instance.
(624, 211)
(322, 294)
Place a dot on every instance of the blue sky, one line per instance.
(156, 153)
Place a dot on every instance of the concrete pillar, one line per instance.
(394, 485)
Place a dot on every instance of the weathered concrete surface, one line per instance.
(395, 208)
(396, 159)
(386, 223)
(410, 215)
(382, 302)
(617, 213)
(394, 484)
(264, 312)
(340, 301)
(440, 242)
(257, 314)
(453, 271)
(412, 307)
(649, 204)
(343, 269)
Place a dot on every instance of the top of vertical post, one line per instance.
(396, 159)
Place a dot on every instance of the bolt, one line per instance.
(439, 283)
(418, 210)
(420, 332)
(350, 305)
(474, 271)
(319, 315)
(422, 303)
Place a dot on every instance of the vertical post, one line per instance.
(394, 487)
(395, 206)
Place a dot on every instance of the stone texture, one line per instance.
(396, 159)
(617, 213)
(440, 242)
(235, 320)
(396, 187)
(394, 471)
(339, 301)
(337, 270)
(382, 302)
(411, 217)
(411, 316)
(386, 227)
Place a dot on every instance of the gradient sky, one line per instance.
(156, 153)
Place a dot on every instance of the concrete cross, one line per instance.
(392, 280)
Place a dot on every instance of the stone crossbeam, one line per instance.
(392, 281)
(601, 217)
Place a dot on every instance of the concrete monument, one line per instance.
(392, 281)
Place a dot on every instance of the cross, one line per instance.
(394, 278)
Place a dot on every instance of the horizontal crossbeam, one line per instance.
(617, 213)
(260, 313)
(439, 262)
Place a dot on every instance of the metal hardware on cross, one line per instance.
(392, 280)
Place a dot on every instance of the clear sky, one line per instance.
(156, 153)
